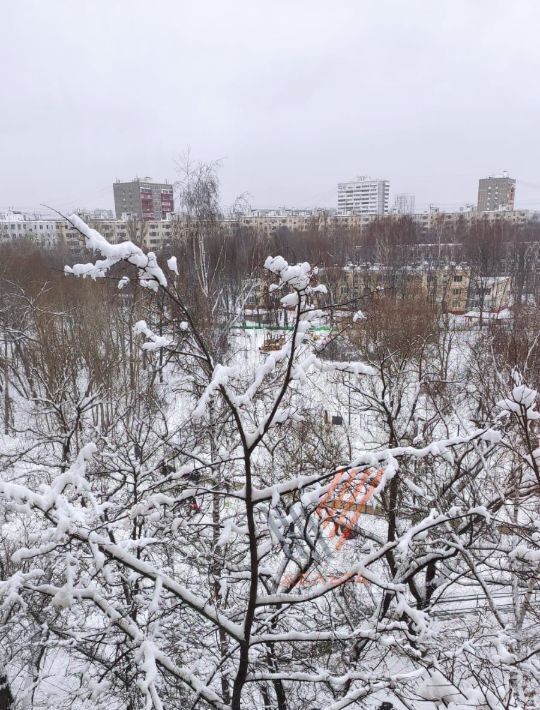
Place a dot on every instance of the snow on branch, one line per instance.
(150, 273)
(386, 458)
(71, 519)
(352, 368)
(220, 378)
(263, 370)
(146, 656)
(522, 399)
(295, 275)
(172, 264)
(154, 342)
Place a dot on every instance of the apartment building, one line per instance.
(489, 293)
(458, 289)
(143, 199)
(404, 204)
(496, 193)
(455, 287)
(34, 227)
(363, 195)
(448, 287)
(269, 221)
(436, 221)
(437, 227)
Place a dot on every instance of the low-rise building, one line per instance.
(438, 230)
(454, 287)
(489, 293)
(448, 287)
(34, 227)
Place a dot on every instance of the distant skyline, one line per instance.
(293, 97)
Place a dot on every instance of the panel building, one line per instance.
(143, 199)
(40, 230)
(496, 193)
(404, 204)
(363, 195)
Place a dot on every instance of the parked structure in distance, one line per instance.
(363, 195)
(143, 199)
(496, 192)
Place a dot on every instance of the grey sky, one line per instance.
(294, 95)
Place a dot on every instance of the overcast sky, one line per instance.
(292, 95)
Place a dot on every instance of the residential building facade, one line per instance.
(363, 195)
(496, 193)
(34, 227)
(404, 204)
(143, 199)
(440, 231)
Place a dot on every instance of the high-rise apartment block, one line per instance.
(144, 199)
(363, 196)
(496, 193)
(404, 204)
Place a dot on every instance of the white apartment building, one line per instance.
(363, 195)
(18, 225)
